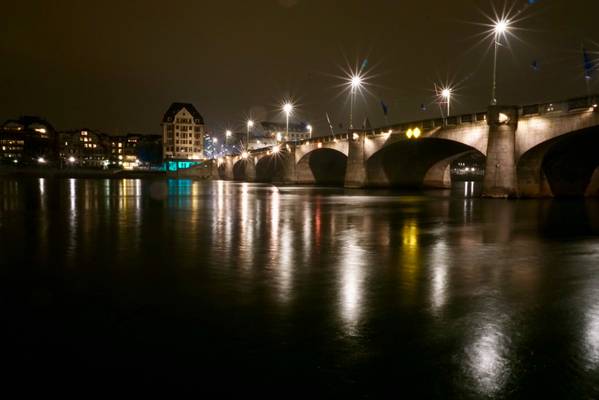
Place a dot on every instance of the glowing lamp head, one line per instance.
(446, 93)
(287, 108)
(356, 82)
(309, 128)
(275, 149)
(409, 133)
(250, 123)
(215, 139)
(41, 160)
(501, 26)
(244, 155)
(228, 133)
(416, 132)
(71, 159)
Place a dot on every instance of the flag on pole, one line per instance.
(385, 108)
(588, 64)
(329, 121)
(364, 64)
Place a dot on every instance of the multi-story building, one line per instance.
(277, 132)
(27, 140)
(182, 133)
(83, 148)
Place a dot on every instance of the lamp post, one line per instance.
(355, 84)
(287, 109)
(446, 93)
(499, 30)
(309, 127)
(250, 125)
(228, 134)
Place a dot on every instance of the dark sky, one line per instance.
(117, 65)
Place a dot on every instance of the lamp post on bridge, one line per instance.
(446, 93)
(250, 125)
(287, 109)
(500, 29)
(355, 83)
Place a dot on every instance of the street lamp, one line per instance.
(250, 125)
(309, 127)
(446, 93)
(228, 134)
(287, 109)
(355, 83)
(500, 28)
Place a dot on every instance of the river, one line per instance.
(246, 288)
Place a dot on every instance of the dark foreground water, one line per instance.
(238, 289)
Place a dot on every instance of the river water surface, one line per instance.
(241, 288)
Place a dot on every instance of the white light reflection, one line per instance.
(42, 184)
(352, 266)
(439, 275)
(487, 359)
(591, 337)
(591, 331)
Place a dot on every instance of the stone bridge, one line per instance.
(549, 149)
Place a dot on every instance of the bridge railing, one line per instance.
(575, 104)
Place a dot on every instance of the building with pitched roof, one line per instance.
(183, 133)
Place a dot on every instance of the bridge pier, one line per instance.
(500, 171)
(229, 165)
(355, 173)
(287, 174)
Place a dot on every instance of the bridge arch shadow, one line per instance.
(565, 166)
(415, 163)
(272, 168)
(244, 170)
(322, 167)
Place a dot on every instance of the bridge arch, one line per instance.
(322, 166)
(244, 170)
(272, 167)
(415, 163)
(564, 166)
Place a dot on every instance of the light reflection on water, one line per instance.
(464, 285)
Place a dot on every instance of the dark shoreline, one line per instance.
(82, 173)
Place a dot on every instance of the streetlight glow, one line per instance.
(501, 26)
(356, 82)
(309, 128)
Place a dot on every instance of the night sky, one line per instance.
(116, 66)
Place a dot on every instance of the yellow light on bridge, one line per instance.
(319, 145)
(275, 149)
(244, 155)
(413, 133)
